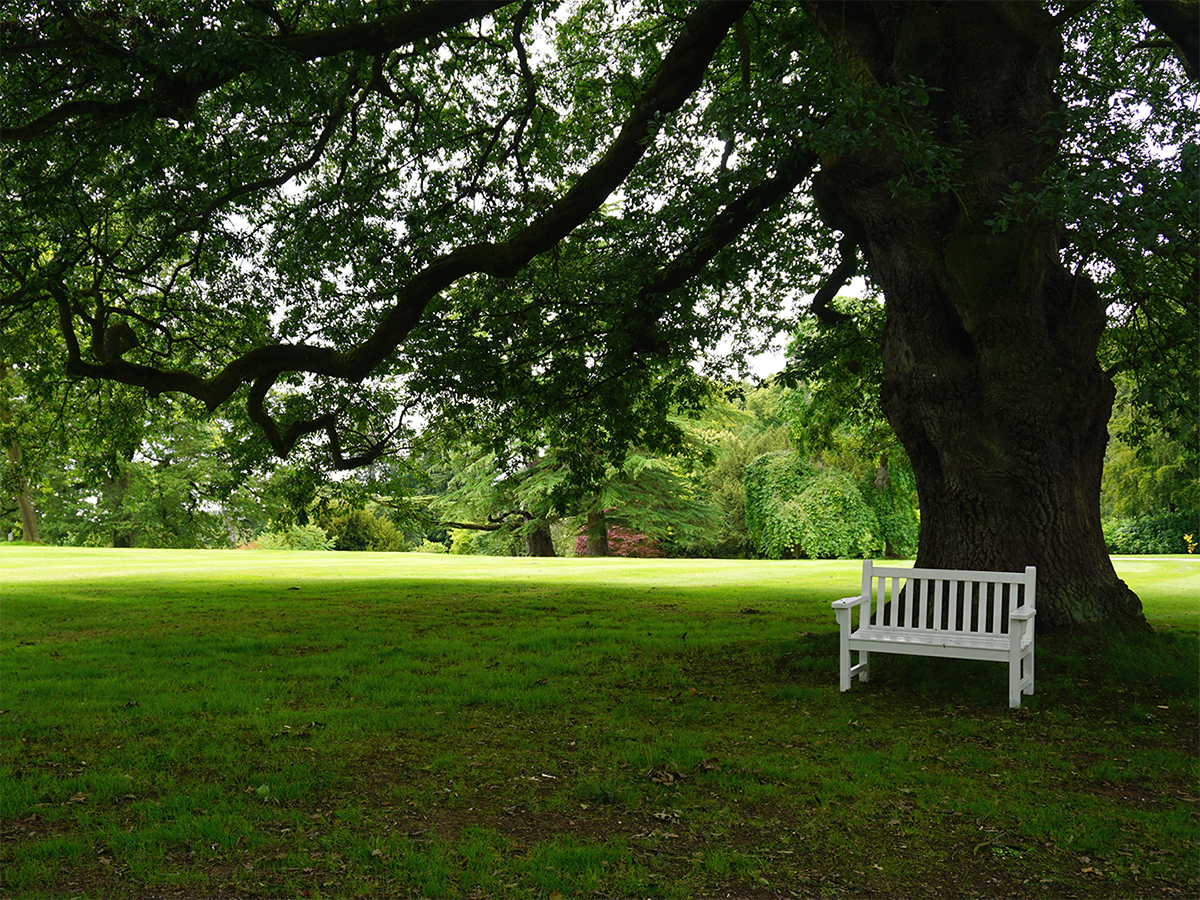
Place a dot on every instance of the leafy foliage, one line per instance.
(891, 493)
(795, 510)
(1128, 187)
(1165, 533)
(623, 542)
(1148, 471)
(733, 430)
(359, 529)
(470, 542)
(296, 537)
(351, 214)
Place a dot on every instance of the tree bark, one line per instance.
(991, 378)
(539, 542)
(21, 492)
(596, 535)
(29, 525)
(114, 493)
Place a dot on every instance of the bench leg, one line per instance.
(844, 655)
(848, 671)
(1020, 678)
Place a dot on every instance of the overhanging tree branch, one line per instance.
(678, 76)
(171, 94)
(1177, 20)
(822, 304)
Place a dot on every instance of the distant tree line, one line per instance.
(804, 466)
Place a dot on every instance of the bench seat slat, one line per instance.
(932, 638)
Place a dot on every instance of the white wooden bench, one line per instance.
(941, 612)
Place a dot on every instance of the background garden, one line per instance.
(802, 466)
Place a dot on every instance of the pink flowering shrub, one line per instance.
(624, 542)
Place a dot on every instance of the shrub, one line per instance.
(428, 546)
(473, 542)
(360, 530)
(835, 520)
(891, 499)
(624, 542)
(298, 537)
(1151, 534)
(794, 510)
(462, 541)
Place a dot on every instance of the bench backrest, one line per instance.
(944, 599)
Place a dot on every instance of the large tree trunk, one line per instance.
(991, 377)
(115, 491)
(21, 492)
(539, 541)
(29, 525)
(596, 535)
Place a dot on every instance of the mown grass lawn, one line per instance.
(254, 724)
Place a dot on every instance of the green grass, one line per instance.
(363, 725)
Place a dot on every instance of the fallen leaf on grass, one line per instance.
(665, 774)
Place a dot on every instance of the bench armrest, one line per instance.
(849, 602)
(1023, 612)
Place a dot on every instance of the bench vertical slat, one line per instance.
(997, 592)
(939, 594)
(864, 611)
(1030, 589)
(923, 590)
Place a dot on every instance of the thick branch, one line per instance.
(678, 76)
(842, 273)
(495, 521)
(172, 93)
(1177, 20)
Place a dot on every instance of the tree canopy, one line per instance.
(224, 199)
(351, 218)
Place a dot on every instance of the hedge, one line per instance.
(1152, 534)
